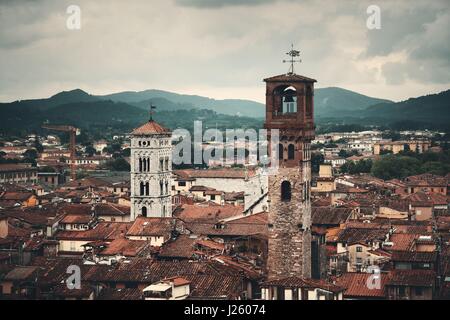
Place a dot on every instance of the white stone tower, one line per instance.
(151, 171)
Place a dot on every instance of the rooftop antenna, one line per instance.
(293, 53)
(152, 107)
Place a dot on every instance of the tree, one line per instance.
(316, 160)
(47, 169)
(354, 167)
(30, 154)
(126, 152)
(119, 164)
(345, 154)
(394, 135)
(436, 167)
(37, 145)
(90, 150)
(393, 166)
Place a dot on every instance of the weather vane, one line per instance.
(293, 53)
(152, 107)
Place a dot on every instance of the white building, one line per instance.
(151, 171)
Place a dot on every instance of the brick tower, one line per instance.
(289, 108)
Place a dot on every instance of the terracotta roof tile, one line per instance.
(355, 285)
(418, 278)
(150, 127)
(289, 78)
(144, 226)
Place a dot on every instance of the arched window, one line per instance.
(147, 189)
(280, 151)
(140, 165)
(289, 100)
(148, 164)
(167, 187)
(161, 188)
(142, 187)
(144, 211)
(291, 152)
(285, 191)
(144, 161)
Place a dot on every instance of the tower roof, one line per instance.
(150, 127)
(290, 77)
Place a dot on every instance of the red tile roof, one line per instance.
(76, 219)
(207, 213)
(228, 173)
(103, 231)
(355, 285)
(144, 226)
(178, 281)
(289, 78)
(150, 127)
(427, 199)
(426, 180)
(402, 241)
(126, 247)
(416, 278)
(414, 256)
(297, 282)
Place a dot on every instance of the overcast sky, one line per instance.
(222, 49)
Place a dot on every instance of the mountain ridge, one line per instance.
(332, 105)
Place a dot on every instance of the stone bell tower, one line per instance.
(289, 108)
(151, 171)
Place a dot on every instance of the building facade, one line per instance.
(289, 109)
(151, 171)
(18, 173)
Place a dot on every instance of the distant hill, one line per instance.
(105, 117)
(183, 101)
(432, 108)
(121, 111)
(338, 102)
(63, 97)
(328, 102)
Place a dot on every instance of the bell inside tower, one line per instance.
(289, 100)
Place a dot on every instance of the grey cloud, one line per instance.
(397, 28)
(142, 44)
(221, 3)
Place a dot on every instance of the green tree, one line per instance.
(90, 150)
(30, 154)
(394, 135)
(316, 160)
(393, 166)
(126, 152)
(119, 164)
(436, 167)
(37, 145)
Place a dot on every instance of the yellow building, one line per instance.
(398, 146)
(325, 182)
